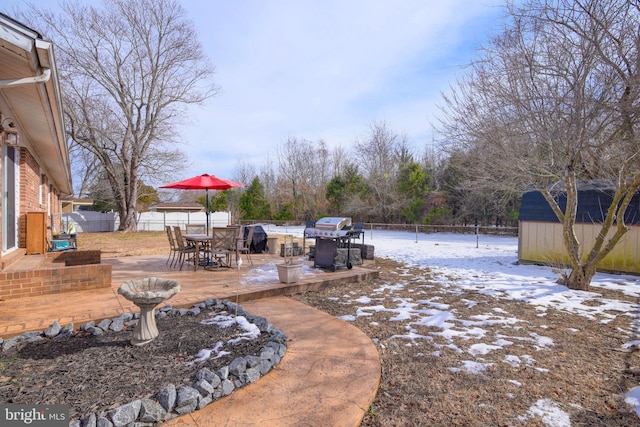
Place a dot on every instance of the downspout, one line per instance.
(42, 78)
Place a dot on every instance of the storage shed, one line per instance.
(540, 232)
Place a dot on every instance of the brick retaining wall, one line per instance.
(54, 280)
(74, 257)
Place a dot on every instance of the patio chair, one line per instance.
(223, 241)
(172, 245)
(243, 245)
(358, 230)
(195, 228)
(185, 251)
(308, 224)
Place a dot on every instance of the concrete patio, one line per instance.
(329, 375)
(37, 313)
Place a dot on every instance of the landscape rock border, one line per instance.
(171, 401)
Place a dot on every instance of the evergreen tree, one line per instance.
(253, 203)
(413, 185)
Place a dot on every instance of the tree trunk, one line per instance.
(580, 277)
(128, 220)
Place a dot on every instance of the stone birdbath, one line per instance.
(147, 294)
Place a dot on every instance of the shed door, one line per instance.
(9, 199)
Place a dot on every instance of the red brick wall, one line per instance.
(74, 257)
(29, 192)
(36, 195)
(54, 281)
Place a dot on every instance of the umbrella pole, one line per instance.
(206, 190)
(207, 208)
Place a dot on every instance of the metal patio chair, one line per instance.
(243, 245)
(185, 251)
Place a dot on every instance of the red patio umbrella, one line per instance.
(204, 182)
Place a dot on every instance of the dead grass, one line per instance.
(119, 244)
(585, 372)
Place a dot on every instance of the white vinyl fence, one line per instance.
(95, 222)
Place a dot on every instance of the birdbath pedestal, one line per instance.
(147, 294)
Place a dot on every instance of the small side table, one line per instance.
(67, 241)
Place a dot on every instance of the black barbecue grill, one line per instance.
(331, 234)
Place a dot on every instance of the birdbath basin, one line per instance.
(147, 294)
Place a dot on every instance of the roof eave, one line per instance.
(37, 102)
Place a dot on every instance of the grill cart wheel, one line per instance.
(349, 265)
(332, 268)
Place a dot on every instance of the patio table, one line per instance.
(198, 240)
(218, 246)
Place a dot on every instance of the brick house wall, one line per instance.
(36, 195)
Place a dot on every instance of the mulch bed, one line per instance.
(99, 373)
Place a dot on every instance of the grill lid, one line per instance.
(333, 223)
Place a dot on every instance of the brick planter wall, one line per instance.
(74, 257)
(52, 279)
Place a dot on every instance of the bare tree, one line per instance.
(554, 100)
(304, 172)
(245, 171)
(85, 166)
(383, 153)
(128, 71)
(340, 159)
(268, 179)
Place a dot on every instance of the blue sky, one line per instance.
(324, 70)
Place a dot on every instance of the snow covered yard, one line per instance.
(468, 337)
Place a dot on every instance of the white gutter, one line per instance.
(43, 78)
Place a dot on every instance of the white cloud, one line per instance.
(326, 70)
(322, 70)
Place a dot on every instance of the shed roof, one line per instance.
(594, 198)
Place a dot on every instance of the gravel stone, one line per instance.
(238, 366)
(223, 373)
(227, 387)
(85, 326)
(151, 411)
(250, 375)
(125, 414)
(252, 361)
(204, 387)
(104, 324)
(205, 374)
(204, 401)
(186, 395)
(53, 330)
(167, 397)
(90, 420)
(12, 342)
(103, 422)
(94, 330)
(117, 324)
